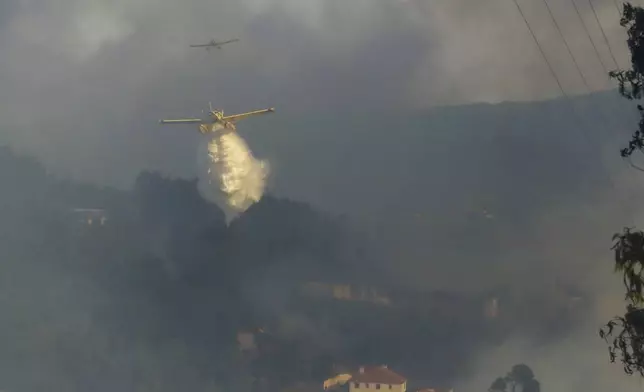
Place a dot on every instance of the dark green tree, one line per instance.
(631, 81)
(519, 379)
(625, 334)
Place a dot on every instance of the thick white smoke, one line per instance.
(241, 177)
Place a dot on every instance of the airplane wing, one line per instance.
(200, 46)
(237, 117)
(229, 41)
(183, 121)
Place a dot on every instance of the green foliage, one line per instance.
(520, 378)
(499, 385)
(631, 82)
(625, 334)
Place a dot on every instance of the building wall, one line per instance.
(345, 292)
(341, 291)
(90, 218)
(364, 387)
(246, 341)
(491, 308)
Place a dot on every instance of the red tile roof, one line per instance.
(378, 375)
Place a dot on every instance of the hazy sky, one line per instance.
(84, 82)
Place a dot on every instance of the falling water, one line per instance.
(241, 177)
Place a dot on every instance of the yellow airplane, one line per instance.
(214, 44)
(218, 121)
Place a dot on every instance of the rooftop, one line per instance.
(378, 375)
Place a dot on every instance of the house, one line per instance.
(246, 341)
(90, 216)
(345, 292)
(377, 378)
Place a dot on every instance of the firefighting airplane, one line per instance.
(214, 44)
(218, 121)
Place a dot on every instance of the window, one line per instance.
(377, 386)
(391, 386)
(356, 385)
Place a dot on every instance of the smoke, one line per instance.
(241, 177)
(569, 243)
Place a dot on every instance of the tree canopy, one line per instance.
(625, 334)
(519, 379)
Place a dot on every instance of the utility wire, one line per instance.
(599, 57)
(572, 56)
(610, 49)
(565, 41)
(619, 12)
(561, 89)
(590, 38)
(581, 19)
(543, 54)
(563, 37)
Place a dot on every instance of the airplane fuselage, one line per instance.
(214, 44)
(218, 126)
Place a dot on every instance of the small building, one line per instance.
(90, 216)
(376, 378)
(491, 308)
(345, 292)
(246, 341)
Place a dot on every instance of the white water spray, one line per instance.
(241, 177)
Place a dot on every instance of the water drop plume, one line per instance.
(241, 177)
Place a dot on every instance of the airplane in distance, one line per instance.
(218, 122)
(214, 44)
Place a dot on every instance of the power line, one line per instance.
(565, 41)
(590, 38)
(543, 54)
(572, 56)
(619, 13)
(581, 19)
(595, 49)
(561, 89)
(610, 50)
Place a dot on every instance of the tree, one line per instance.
(625, 334)
(499, 385)
(519, 379)
(631, 81)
